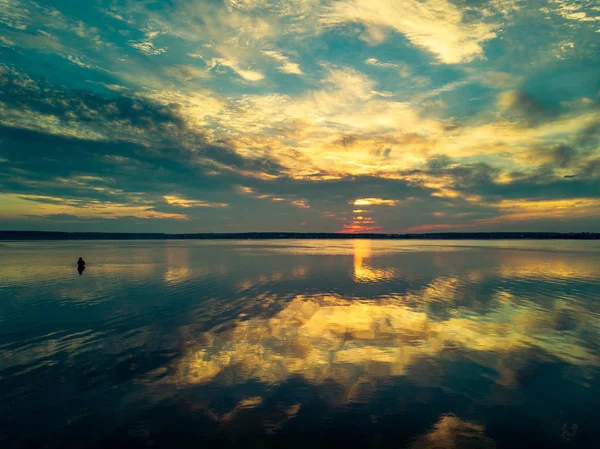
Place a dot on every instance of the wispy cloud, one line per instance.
(377, 63)
(185, 203)
(438, 26)
(286, 66)
(40, 205)
(245, 73)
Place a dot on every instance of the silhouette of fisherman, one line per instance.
(80, 266)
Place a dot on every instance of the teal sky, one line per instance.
(300, 115)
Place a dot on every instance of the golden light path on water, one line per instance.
(362, 271)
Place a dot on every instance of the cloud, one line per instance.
(521, 105)
(562, 156)
(438, 161)
(286, 65)
(185, 73)
(6, 42)
(14, 14)
(498, 80)
(233, 64)
(557, 209)
(374, 202)
(377, 63)
(185, 203)
(148, 48)
(45, 206)
(77, 61)
(437, 26)
(577, 12)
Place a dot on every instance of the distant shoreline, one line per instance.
(43, 235)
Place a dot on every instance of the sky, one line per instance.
(300, 115)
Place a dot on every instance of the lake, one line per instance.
(300, 344)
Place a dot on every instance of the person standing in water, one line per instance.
(80, 266)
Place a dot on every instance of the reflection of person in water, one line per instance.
(80, 265)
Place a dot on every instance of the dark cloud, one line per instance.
(52, 165)
(342, 191)
(141, 130)
(63, 218)
(383, 153)
(564, 155)
(592, 168)
(526, 108)
(541, 184)
(590, 136)
(345, 140)
(474, 177)
(556, 188)
(438, 161)
(234, 161)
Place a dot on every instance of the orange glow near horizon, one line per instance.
(360, 225)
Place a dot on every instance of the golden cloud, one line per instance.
(374, 202)
(181, 202)
(26, 205)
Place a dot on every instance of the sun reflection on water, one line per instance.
(363, 273)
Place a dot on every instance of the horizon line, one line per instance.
(264, 235)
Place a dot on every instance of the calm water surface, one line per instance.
(312, 344)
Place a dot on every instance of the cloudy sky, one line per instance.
(300, 115)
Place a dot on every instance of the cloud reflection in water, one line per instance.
(426, 344)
